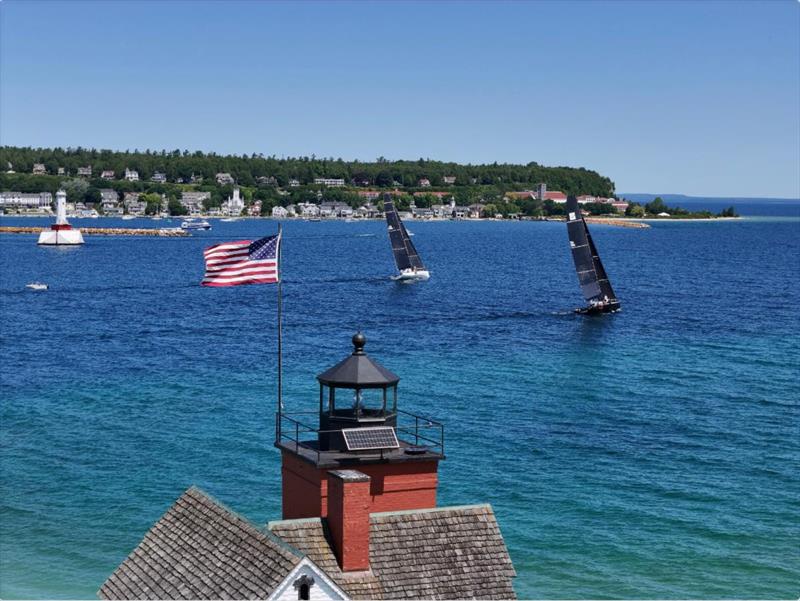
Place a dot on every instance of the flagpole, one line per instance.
(280, 339)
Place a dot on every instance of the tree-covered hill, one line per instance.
(182, 164)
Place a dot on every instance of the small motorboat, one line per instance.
(128, 217)
(193, 224)
(36, 286)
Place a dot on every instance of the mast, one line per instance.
(405, 253)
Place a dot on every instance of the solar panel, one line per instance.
(363, 439)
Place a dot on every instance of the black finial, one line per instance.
(359, 340)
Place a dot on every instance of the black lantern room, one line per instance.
(355, 393)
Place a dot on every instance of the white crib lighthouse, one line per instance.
(61, 232)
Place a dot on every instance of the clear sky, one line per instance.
(700, 98)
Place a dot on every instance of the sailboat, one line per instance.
(591, 274)
(405, 254)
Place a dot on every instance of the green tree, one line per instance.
(634, 210)
(176, 208)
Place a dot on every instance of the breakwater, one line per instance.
(103, 231)
(617, 222)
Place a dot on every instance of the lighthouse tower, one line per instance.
(360, 428)
(61, 232)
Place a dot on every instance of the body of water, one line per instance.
(648, 454)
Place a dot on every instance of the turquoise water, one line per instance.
(649, 454)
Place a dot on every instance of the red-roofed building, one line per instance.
(555, 196)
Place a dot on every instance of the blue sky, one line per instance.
(698, 98)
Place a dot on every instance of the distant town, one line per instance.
(177, 184)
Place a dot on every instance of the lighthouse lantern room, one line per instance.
(360, 427)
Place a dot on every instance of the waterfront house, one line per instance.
(279, 212)
(85, 171)
(132, 204)
(476, 210)
(291, 210)
(422, 213)
(224, 178)
(620, 205)
(159, 177)
(359, 516)
(131, 175)
(424, 183)
(308, 209)
(107, 174)
(108, 195)
(39, 169)
(193, 201)
(329, 182)
(254, 210)
(368, 211)
(332, 209)
(449, 179)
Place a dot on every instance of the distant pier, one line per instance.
(104, 231)
(617, 222)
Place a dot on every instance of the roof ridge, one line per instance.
(433, 510)
(272, 523)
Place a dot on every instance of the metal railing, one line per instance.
(411, 429)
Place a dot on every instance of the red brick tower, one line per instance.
(360, 428)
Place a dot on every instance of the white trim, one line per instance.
(303, 565)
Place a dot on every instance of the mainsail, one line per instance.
(591, 273)
(405, 255)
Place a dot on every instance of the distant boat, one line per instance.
(592, 275)
(128, 217)
(406, 256)
(36, 286)
(315, 219)
(192, 224)
(230, 219)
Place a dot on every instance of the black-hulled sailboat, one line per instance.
(405, 254)
(591, 274)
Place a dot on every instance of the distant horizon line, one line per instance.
(699, 197)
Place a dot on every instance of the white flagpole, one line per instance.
(280, 339)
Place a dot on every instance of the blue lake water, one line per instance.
(649, 454)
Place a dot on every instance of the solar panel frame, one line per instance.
(370, 439)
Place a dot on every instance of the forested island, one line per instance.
(162, 178)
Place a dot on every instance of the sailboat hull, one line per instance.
(408, 275)
(599, 309)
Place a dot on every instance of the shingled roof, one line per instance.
(442, 553)
(201, 550)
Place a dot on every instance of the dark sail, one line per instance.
(405, 254)
(591, 273)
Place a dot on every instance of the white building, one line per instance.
(107, 174)
(131, 175)
(26, 200)
(85, 171)
(158, 177)
(224, 178)
(193, 201)
(308, 209)
(234, 205)
(133, 205)
(39, 169)
(330, 182)
(279, 212)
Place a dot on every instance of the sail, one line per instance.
(606, 291)
(405, 254)
(581, 247)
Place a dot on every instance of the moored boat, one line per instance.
(193, 224)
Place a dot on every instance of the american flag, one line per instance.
(242, 262)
